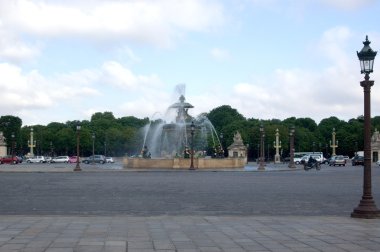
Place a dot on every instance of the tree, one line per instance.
(11, 125)
(224, 115)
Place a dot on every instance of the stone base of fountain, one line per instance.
(184, 163)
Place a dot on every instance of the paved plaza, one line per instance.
(104, 208)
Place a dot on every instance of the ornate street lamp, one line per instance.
(221, 151)
(13, 148)
(192, 130)
(277, 146)
(291, 137)
(367, 207)
(77, 167)
(334, 143)
(93, 148)
(262, 148)
(31, 143)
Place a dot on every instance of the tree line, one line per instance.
(122, 136)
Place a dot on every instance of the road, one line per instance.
(331, 191)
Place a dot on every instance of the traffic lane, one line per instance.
(330, 191)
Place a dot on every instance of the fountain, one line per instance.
(169, 141)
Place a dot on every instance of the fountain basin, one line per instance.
(184, 163)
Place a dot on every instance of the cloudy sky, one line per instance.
(65, 60)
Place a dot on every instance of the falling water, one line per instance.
(168, 136)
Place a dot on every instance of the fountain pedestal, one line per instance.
(184, 163)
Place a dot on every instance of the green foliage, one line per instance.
(119, 136)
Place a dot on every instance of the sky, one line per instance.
(269, 59)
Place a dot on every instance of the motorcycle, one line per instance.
(307, 166)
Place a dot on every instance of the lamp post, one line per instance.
(192, 129)
(13, 148)
(246, 153)
(221, 152)
(277, 146)
(262, 148)
(334, 143)
(291, 139)
(77, 167)
(31, 143)
(367, 207)
(93, 148)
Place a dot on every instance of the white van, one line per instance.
(318, 157)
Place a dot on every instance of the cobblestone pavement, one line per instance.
(187, 234)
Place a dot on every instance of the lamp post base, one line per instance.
(261, 167)
(366, 210)
(77, 168)
(292, 166)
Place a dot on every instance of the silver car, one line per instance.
(36, 159)
(60, 159)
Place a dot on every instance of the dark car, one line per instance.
(357, 160)
(95, 159)
(9, 160)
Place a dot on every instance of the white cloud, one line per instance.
(116, 74)
(13, 49)
(25, 93)
(157, 22)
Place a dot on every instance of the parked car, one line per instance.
(9, 160)
(60, 159)
(48, 159)
(378, 162)
(110, 160)
(337, 160)
(95, 159)
(72, 159)
(357, 160)
(36, 159)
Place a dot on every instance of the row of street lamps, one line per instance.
(367, 207)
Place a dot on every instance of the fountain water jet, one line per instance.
(168, 142)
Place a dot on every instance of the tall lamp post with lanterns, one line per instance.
(192, 130)
(291, 138)
(367, 207)
(262, 148)
(334, 143)
(277, 146)
(77, 167)
(221, 151)
(31, 143)
(13, 148)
